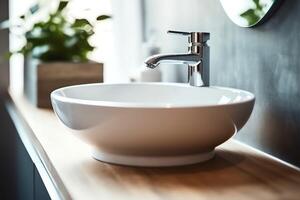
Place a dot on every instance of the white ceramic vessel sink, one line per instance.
(152, 124)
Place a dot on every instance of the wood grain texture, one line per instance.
(42, 78)
(65, 70)
(237, 172)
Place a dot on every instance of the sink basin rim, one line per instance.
(55, 95)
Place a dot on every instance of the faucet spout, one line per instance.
(187, 58)
(197, 58)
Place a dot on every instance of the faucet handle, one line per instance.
(179, 32)
(194, 37)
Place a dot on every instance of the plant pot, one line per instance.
(41, 78)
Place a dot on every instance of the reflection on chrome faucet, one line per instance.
(197, 58)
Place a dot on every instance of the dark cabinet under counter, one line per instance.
(20, 179)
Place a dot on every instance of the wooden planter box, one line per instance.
(40, 79)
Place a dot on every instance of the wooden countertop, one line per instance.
(68, 171)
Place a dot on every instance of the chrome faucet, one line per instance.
(197, 58)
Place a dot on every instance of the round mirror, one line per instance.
(247, 13)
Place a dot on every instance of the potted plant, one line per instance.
(56, 53)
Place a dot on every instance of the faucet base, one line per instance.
(198, 76)
(195, 76)
(152, 161)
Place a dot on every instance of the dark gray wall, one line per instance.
(264, 60)
(4, 77)
(7, 143)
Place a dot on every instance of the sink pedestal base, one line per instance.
(152, 161)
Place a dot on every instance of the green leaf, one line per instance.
(34, 8)
(103, 17)
(251, 16)
(79, 23)
(256, 2)
(7, 55)
(62, 5)
(258, 5)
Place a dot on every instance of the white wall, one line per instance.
(127, 21)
